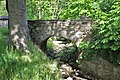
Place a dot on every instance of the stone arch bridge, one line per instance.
(74, 30)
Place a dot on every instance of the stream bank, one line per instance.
(96, 68)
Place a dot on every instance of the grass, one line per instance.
(15, 65)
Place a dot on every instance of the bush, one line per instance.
(106, 34)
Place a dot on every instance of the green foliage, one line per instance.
(31, 9)
(3, 11)
(51, 9)
(106, 31)
(105, 5)
(108, 27)
(3, 31)
(50, 44)
(40, 9)
(15, 65)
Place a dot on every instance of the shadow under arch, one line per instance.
(62, 48)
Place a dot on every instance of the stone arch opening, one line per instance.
(62, 49)
(74, 30)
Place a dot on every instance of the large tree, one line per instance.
(18, 29)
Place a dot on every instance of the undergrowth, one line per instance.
(15, 65)
(89, 53)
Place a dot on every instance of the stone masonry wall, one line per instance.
(101, 68)
(74, 30)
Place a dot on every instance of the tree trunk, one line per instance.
(7, 5)
(56, 9)
(18, 29)
(39, 10)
